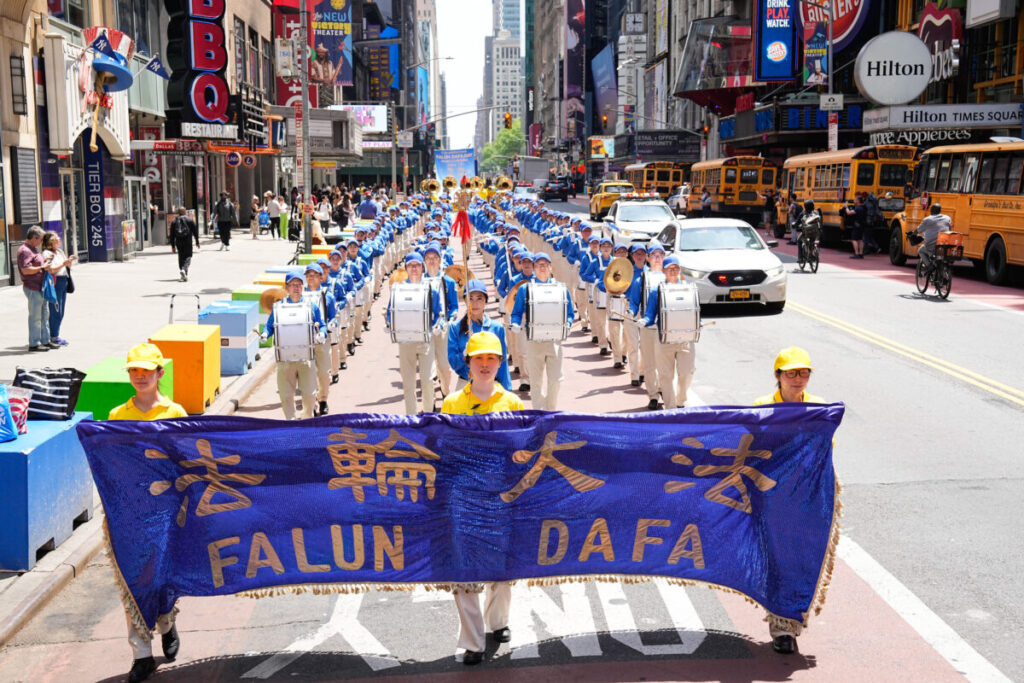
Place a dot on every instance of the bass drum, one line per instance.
(293, 332)
(410, 313)
(547, 311)
(678, 314)
(616, 308)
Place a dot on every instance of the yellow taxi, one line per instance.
(605, 195)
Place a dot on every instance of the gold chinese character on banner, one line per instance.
(354, 460)
(581, 482)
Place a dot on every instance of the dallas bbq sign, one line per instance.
(198, 94)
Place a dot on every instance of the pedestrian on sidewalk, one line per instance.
(226, 215)
(183, 231)
(145, 366)
(32, 267)
(60, 268)
(856, 220)
(254, 216)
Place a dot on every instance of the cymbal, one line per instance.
(271, 297)
(400, 275)
(459, 273)
(618, 276)
(510, 300)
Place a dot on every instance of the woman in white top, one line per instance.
(60, 267)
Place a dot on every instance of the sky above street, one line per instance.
(461, 27)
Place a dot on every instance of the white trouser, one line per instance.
(411, 355)
(580, 302)
(474, 623)
(676, 364)
(544, 358)
(444, 369)
(292, 376)
(617, 339)
(520, 354)
(322, 364)
(142, 648)
(648, 343)
(599, 324)
(632, 334)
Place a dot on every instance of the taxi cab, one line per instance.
(605, 195)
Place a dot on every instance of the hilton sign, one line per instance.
(893, 68)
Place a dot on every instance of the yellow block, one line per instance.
(272, 279)
(323, 249)
(196, 350)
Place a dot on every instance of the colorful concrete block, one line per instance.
(196, 353)
(106, 386)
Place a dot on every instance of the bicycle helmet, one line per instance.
(809, 204)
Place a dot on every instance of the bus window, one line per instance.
(866, 173)
(748, 176)
(730, 175)
(1013, 181)
(985, 176)
(892, 175)
(933, 172)
(999, 174)
(664, 176)
(955, 169)
(833, 177)
(970, 173)
(800, 178)
(943, 177)
(768, 176)
(846, 177)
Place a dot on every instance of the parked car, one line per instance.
(525, 190)
(637, 217)
(677, 200)
(556, 189)
(728, 261)
(605, 195)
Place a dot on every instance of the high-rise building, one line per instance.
(506, 17)
(507, 63)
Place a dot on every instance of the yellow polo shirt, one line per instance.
(466, 403)
(164, 409)
(777, 398)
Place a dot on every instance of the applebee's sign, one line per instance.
(197, 96)
(941, 31)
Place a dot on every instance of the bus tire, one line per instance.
(996, 269)
(896, 255)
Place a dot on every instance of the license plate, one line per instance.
(739, 294)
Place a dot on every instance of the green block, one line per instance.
(107, 386)
(252, 293)
(306, 259)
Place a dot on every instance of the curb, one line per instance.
(229, 402)
(38, 598)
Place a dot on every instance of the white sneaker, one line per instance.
(228, 248)
(182, 274)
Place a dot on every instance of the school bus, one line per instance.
(737, 186)
(657, 176)
(835, 179)
(979, 188)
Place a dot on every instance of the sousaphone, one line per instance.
(460, 274)
(430, 186)
(400, 275)
(618, 276)
(271, 297)
(504, 184)
(450, 183)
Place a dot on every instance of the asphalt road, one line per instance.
(929, 586)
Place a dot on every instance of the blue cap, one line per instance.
(293, 275)
(314, 268)
(595, 238)
(541, 256)
(360, 229)
(670, 261)
(475, 285)
(414, 258)
(527, 256)
(432, 247)
(323, 261)
(604, 240)
(352, 241)
(655, 246)
(639, 246)
(621, 245)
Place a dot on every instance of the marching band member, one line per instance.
(292, 375)
(448, 291)
(518, 345)
(544, 358)
(637, 296)
(475, 320)
(361, 275)
(482, 395)
(323, 300)
(617, 336)
(340, 283)
(595, 262)
(675, 362)
(631, 329)
(417, 354)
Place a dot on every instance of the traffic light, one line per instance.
(508, 120)
(604, 122)
(707, 129)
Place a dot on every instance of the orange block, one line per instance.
(323, 249)
(273, 279)
(196, 353)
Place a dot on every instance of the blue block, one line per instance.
(280, 269)
(238, 361)
(239, 343)
(45, 486)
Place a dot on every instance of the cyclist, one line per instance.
(930, 228)
(809, 226)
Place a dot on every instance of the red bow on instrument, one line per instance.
(462, 229)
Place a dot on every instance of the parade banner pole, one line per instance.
(305, 177)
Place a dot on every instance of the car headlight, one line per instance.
(693, 274)
(775, 271)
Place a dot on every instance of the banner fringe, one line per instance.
(828, 565)
(131, 608)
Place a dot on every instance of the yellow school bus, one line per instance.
(835, 179)
(737, 186)
(979, 188)
(657, 176)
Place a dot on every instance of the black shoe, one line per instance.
(653, 404)
(605, 352)
(376, 296)
(141, 669)
(335, 378)
(344, 365)
(39, 348)
(502, 635)
(323, 407)
(514, 371)
(351, 349)
(586, 328)
(784, 645)
(634, 382)
(471, 658)
(366, 325)
(623, 360)
(359, 340)
(171, 644)
(618, 366)
(524, 387)
(641, 379)
(593, 340)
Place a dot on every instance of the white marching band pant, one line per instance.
(474, 622)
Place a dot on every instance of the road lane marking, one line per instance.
(622, 626)
(344, 622)
(930, 626)
(992, 386)
(572, 623)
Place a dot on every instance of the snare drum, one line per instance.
(591, 292)
(651, 279)
(410, 313)
(319, 300)
(547, 311)
(600, 299)
(616, 308)
(678, 314)
(293, 332)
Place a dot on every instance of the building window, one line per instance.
(254, 58)
(240, 73)
(268, 73)
(19, 101)
(138, 20)
(72, 11)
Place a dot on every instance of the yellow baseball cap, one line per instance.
(483, 342)
(145, 356)
(792, 358)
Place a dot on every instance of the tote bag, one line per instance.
(54, 391)
(8, 430)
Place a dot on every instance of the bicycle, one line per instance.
(807, 246)
(937, 271)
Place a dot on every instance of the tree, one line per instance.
(495, 156)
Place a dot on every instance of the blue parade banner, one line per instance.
(454, 162)
(743, 499)
(775, 44)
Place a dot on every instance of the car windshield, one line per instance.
(644, 212)
(618, 189)
(722, 237)
(525, 190)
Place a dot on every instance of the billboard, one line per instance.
(816, 54)
(373, 117)
(602, 67)
(382, 63)
(655, 99)
(660, 27)
(850, 17)
(332, 52)
(575, 48)
(774, 40)
(289, 92)
(602, 147)
(454, 162)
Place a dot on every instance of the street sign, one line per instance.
(833, 102)
(833, 131)
(233, 159)
(405, 139)
(249, 160)
(307, 209)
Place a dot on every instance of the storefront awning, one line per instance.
(715, 67)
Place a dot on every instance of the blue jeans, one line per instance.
(38, 319)
(57, 309)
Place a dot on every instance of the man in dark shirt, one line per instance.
(227, 217)
(183, 231)
(856, 223)
(33, 269)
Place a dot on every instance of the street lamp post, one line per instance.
(833, 139)
(305, 176)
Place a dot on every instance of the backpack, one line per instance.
(180, 228)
